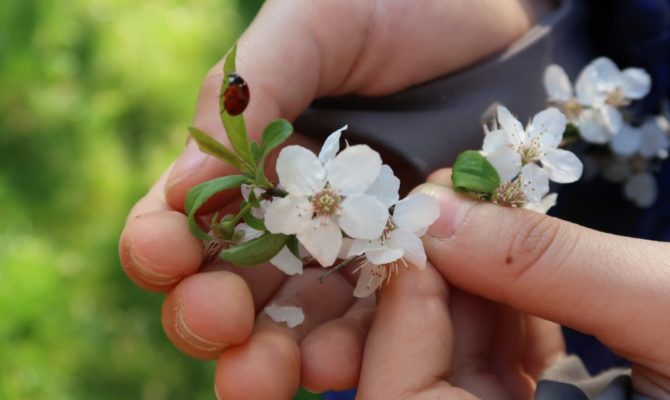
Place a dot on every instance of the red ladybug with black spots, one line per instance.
(236, 95)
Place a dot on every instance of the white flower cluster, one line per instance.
(527, 159)
(345, 205)
(597, 108)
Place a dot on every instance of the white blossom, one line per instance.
(292, 316)
(649, 140)
(600, 89)
(327, 195)
(641, 189)
(532, 152)
(400, 242)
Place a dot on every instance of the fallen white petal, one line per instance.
(292, 316)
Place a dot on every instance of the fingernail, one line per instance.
(453, 209)
(190, 161)
(148, 274)
(185, 332)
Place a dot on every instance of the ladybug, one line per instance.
(236, 95)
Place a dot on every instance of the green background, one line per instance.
(95, 96)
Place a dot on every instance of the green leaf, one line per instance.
(275, 134)
(199, 194)
(256, 152)
(234, 125)
(472, 172)
(209, 145)
(571, 131)
(256, 251)
(253, 222)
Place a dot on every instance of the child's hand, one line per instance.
(294, 52)
(612, 287)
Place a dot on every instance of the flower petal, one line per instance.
(385, 188)
(300, 171)
(507, 163)
(654, 140)
(543, 206)
(287, 215)
(635, 83)
(563, 166)
(331, 146)
(612, 118)
(627, 141)
(641, 189)
(286, 262)
(363, 217)
(354, 169)
(592, 127)
(293, 316)
(548, 125)
(534, 182)
(384, 256)
(557, 84)
(371, 277)
(606, 69)
(416, 212)
(360, 246)
(586, 87)
(494, 140)
(412, 245)
(512, 127)
(322, 238)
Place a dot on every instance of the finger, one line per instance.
(316, 56)
(272, 354)
(156, 248)
(207, 312)
(554, 269)
(410, 343)
(333, 352)
(544, 345)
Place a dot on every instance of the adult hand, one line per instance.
(612, 287)
(295, 51)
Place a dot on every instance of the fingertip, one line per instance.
(441, 176)
(267, 367)
(207, 312)
(157, 249)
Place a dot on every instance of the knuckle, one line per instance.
(534, 239)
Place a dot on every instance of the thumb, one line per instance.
(613, 287)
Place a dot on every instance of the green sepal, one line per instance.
(292, 245)
(256, 251)
(571, 131)
(275, 134)
(199, 194)
(472, 172)
(249, 218)
(209, 145)
(234, 125)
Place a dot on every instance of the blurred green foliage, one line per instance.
(95, 96)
